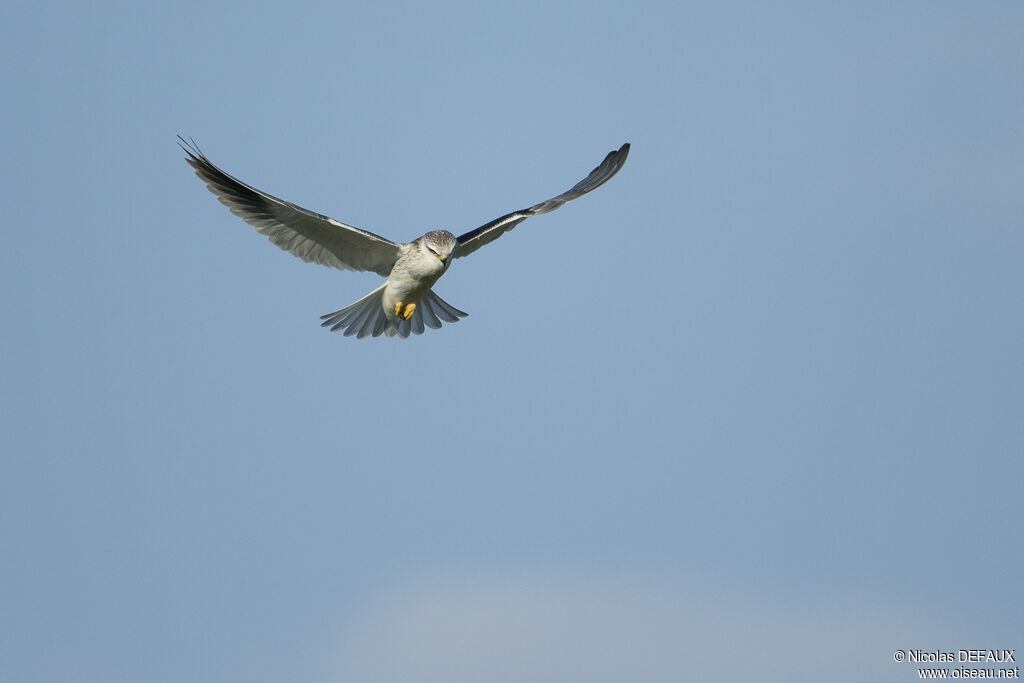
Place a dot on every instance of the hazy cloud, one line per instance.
(539, 626)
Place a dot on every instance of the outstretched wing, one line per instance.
(485, 234)
(310, 236)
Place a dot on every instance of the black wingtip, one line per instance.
(614, 161)
(190, 147)
(615, 158)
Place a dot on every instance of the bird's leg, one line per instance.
(405, 310)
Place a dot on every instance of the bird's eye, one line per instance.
(432, 251)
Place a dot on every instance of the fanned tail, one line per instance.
(366, 317)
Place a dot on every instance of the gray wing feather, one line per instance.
(310, 236)
(487, 233)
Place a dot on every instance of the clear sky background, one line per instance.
(752, 411)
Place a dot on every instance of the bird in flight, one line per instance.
(406, 302)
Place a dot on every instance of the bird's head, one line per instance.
(439, 243)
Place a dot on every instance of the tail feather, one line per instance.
(430, 318)
(362, 322)
(357, 319)
(446, 311)
(366, 317)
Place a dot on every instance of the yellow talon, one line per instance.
(405, 310)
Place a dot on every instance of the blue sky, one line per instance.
(750, 411)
